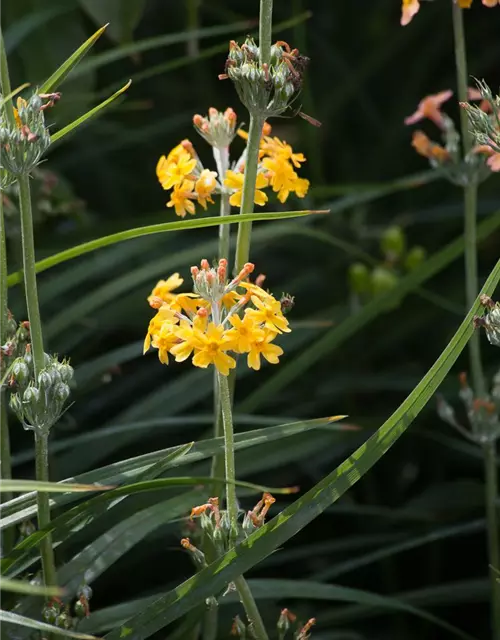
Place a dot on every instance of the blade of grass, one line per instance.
(21, 486)
(14, 618)
(26, 588)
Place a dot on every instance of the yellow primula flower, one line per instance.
(255, 290)
(263, 347)
(164, 340)
(276, 147)
(174, 173)
(409, 8)
(244, 332)
(235, 182)
(268, 313)
(164, 315)
(164, 288)
(205, 186)
(181, 198)
(212, 351)
(282, 177)
(189, 339)
(188, 303)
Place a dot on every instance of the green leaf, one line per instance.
(13, 94)
(181, 225)
(122, 16)
(23, 507)
(26, 588)
(87, 116)
(21, 486)
(15, 618)
(336, 336)
(299, 514)
(59, 75)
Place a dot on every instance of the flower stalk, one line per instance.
(471, 290)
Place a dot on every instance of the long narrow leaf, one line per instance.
(15, 618)
(129, 234)
(26, 588)
(60, 74)
(22, 486)
(294, 518)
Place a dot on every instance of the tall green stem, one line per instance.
(242, 587)
(38, 354)
(265, 30)
(251, 164)
(471, 290)
(5, 458)
(42, 474)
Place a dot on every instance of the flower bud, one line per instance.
(20, 372)
(45, 380)
(64, 621)
(16, 405)
(393, 242)
(383, 280)
(61, 392)
(50, 613)
(31, 395)
(415, 258)
(359, 278)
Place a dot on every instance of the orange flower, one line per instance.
(409, 8)
(493, 161)
(425, 147)
(491, 3)
(475, 94)
(430, 108)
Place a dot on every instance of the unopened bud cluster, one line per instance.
(366, 283)
(491, 321)
(38, 402)
(66, 616)
(16, 337)
(24, 143)
(482, 413)
(265, 89)
(288, 622)
(218, 128)
(485, 120)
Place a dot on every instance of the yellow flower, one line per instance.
(173, 173)
(282, 176)
(212, 351)
(409, 9)
(268, 313)
(255, 290)
(188, 303)
(164, 340)
(276, 147)
(235, 181)
(181, 198)
(262, 346)
(164, 288)
(164, 315)
(205, 186)
(190, 337)
(243, 333)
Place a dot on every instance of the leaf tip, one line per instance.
(336, 418)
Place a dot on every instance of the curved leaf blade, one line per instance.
(26, 588)
(129, 234)
(15, 618)
(294, 518)
(20, 486)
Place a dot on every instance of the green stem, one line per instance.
(30, 285)
(471, 290)
(41, 439)
(470, 200)
(251, 165)
(265, 30)
(250, 606)
(42, 474)
(211, 622)
(491, 485)
(230, 472)
(221, 156)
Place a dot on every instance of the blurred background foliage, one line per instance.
(413, 527)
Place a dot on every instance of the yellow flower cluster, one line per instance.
(216, 318)
(183, 173)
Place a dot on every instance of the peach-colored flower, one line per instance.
(493, 161)
(491, 3)
(425, 147)
(409, 8)
(430, 108)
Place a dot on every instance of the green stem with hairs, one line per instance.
(242, 587)
(38, 354)
(265, 30)
(471, 290)
(5, 456)
(251, 165)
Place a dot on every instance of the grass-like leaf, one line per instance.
(59, 75)
(26, 588)
(21, 486)
(43, 627)
(300, 513)
(180, 225)
(13, 93)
